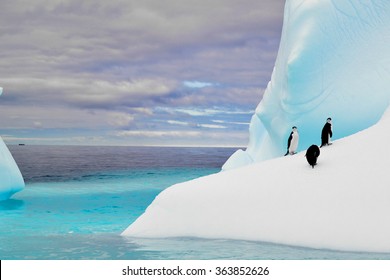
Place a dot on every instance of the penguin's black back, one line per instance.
(325, 133)
(312, 154)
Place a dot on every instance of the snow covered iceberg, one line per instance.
(333, 61)
(11, 180)
(341, 204)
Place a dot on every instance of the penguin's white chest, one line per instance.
(294, 142)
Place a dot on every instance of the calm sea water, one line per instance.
(78, 200)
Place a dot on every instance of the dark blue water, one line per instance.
(65, 163)
(78, 200)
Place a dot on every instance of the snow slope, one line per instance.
(343, 203)
(333, 61)
(11, 180)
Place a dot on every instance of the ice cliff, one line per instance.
(333, 61)
(11, 180)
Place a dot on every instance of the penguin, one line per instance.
(312, 154)
(326, 133)
(292, 142)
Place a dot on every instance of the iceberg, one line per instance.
(333, 61)
(11, 180)
(341, 204)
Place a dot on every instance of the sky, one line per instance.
(150, 72)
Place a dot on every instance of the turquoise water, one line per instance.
(100, 203)
(71, 220)
(74, 207)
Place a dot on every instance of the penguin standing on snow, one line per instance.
(292, 142)
(312, 154)
(326, 133)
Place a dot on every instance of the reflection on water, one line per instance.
(116, 247)
(11, 204)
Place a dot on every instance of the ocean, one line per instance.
(78, 199)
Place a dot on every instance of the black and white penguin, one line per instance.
(292, 142)
(326, 133)
(312, 154)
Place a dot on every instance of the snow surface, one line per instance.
(11, 180)
(333, 61)
(342, 204)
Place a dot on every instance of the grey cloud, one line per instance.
(85, 92)
(125, 58)
(87, 34)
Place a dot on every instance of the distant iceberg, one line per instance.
(333, 61)
(11, 180)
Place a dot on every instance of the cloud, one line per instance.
(120, 119)
(78, 140)
(86, 92)
(158, 134)
(178, 122)
(214, 126)
(227, 122)
(220, 138)
(108, 64)
(37, 124)
(200, 125)
(197, 84)
(197, 112)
